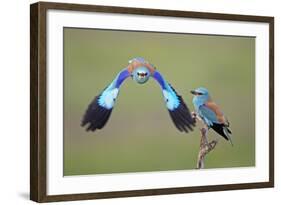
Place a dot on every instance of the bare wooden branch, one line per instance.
(205, 146)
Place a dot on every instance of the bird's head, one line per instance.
(201, 95)
(141, 74)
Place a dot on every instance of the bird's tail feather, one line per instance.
(223, 130)
(228, 133)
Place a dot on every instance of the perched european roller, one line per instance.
(140, 70)
(210, 113)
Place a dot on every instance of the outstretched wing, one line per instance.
(99, 110)
(178, 110)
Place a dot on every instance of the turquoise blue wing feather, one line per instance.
(211, 120)
(99, 110)
(207, 115)
(177, 108)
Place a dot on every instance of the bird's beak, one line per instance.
(193, 92)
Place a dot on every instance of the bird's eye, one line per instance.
(138, 73)
(199, 93)
(145, 74)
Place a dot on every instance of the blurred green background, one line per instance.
(140, 135)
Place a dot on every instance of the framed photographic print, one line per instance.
(134, 102)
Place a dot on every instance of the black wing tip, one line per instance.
(95, 116)
(218, 128)
(182, 119)
(97, 122)
(181, 116)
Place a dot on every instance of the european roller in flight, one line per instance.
(210, 113)
(140, 70)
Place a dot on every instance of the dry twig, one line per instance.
(205, 146)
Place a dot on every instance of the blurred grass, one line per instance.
(140, 136)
